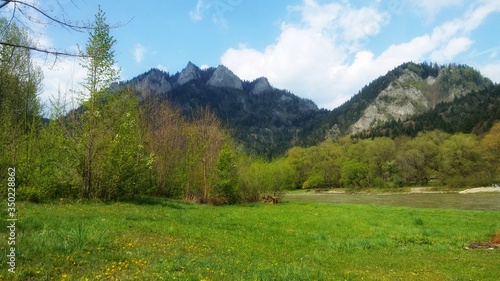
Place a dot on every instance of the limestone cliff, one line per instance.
(225, 78)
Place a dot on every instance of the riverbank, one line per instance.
(406, 190)
(436, 200)
(481, 190)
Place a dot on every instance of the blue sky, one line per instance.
(318, 49)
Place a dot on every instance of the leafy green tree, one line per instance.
(125, 164)
(418, 156)
(326, 163)
(315, 180)
(20, 110)
(355, 174)
(301, 164)
(101, 72)
(53, 171)
(226, 178)
(392, 174)
(374, 154)
(491, 144)
(461, 160)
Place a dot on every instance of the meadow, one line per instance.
(154, 239)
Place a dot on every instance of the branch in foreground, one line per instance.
(5, 3)
(45, 51)
(62, 23)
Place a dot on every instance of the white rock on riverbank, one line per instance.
(480, 189)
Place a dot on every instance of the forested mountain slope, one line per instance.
(474, 113)
(408, 90)
(268, 121)
(262, 118)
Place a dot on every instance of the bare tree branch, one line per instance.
(46, 51)
(5, 3)
(52, 19)
(74, 27)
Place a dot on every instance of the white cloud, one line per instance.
(162, 67)
(62, 79)
(454, 47)
(308, 57)
(429, 9)
(199, 11)
(492, 71)
(323, 56)
(139, 52)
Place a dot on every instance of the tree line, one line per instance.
(433, 157)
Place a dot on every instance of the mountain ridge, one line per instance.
(264, 119)
(412, 94)
(268, 121)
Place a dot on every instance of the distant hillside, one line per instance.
(474, 113)
(408, 90)
(264, 119)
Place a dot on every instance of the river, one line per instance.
(477, 201)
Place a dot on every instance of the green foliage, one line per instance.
(20, 110)
(314, 181)
(259, 178)
(94, 142)
(491, 144)
(226, 177)
(125, 164)
(53, 169)
(455, 160)
(100, 57)
(354, 174)
(461, 159)
(392, 174)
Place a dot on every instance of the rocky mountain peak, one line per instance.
(225, 78)
(152, 83)
(190, 73)
(261, 85)
(417, 88)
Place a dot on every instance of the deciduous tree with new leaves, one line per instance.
(98, 60)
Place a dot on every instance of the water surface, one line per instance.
(478, 201)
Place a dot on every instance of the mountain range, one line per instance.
(268, 121)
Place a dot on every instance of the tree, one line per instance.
(418, 157)
(124, 163)
(461, 159)
(374, 154)
(165, 141)
(226, 178)
(354, 174)
(491, 144)
(101, 72)
(211, 141)
(20, 110)
(53, 169)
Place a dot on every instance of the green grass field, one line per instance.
(169, 240)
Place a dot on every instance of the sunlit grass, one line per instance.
(169, 240)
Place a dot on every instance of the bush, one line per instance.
(314, 181)
(226, 178)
